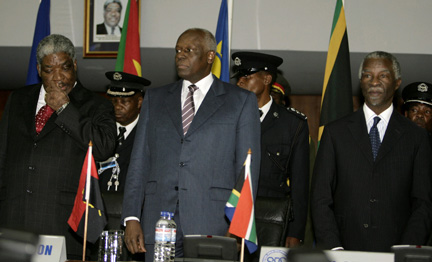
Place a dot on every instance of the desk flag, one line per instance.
(336, 100)
(88, 191)
(240, 208)
(129, 53)
(42, 29)
(221, 64)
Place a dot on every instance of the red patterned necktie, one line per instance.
(42, 117)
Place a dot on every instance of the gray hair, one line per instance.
(209, 39)
(54, 44)
(383, 55)
(107, 2)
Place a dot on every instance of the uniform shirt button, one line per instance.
(29, 191)
(365, 225)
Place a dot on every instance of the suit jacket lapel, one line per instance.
(29, 104)
(212, 102)
(392, 135)
(173, 106)
(360, 133)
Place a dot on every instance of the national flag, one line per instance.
(129, 53)
(221, 63)
(88, 191)
(240, 208)
(42, 29)
(336, 100)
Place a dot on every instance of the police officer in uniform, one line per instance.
(417, 98)
(284, 140)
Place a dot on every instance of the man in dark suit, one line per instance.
(112, 15)
(284, 140)
(40, 164)
(189, 169)
(368, 195)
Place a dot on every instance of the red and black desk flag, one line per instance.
(88, 192)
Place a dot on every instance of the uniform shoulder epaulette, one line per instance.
(297, 113)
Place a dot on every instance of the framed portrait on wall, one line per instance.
(103, 22)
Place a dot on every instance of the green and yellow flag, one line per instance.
(336, 100)
(129, 55)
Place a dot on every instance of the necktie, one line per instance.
(112, 30)
(375, 137)
(42, 117)
(188, 110)
(120, 137)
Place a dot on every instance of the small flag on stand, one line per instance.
(42, 29)
(240, 208)
(336, 100)
(88, 198)
(221, 64)
(129, 53)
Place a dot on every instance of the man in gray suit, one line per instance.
(371, 187)
(190, 172)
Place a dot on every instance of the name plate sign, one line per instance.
(50, 249)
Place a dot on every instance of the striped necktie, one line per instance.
(188, 110)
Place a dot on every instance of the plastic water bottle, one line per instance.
(163, 234)
(173, 227)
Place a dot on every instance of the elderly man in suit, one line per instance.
(371, 185)
(284, 140)
(189, 167)
(45, 132)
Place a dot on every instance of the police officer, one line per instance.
(126, 92)
(284, 140)
(417, 98)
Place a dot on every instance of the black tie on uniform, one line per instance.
(120, 137)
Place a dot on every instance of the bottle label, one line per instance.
(163, 234)
(173, 235)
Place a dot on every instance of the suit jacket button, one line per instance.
(373, 200)
(176, 188)
(29, 191)
(365, 225)
(181, 141)
(181, 164)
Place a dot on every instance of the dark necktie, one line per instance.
(375, 137)
(112, 30)
(42, 117)
(120, 137)
(188, 110)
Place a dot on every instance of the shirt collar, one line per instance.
(129, 127)
(266, 108)
(203, 84)
(385, 115)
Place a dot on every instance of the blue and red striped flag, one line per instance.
(42, 29)
(240, 208)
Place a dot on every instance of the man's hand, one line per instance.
(134, 237)
(292, 242)
(55, 97)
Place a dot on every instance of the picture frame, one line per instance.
(98, 41)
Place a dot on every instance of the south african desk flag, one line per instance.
(240, 208)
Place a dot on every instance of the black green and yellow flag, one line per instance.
(336, 98)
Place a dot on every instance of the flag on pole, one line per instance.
(42, 29)
(129, 54)
(240, 208)
(336, 98)
(88, 192)
(221, 64)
